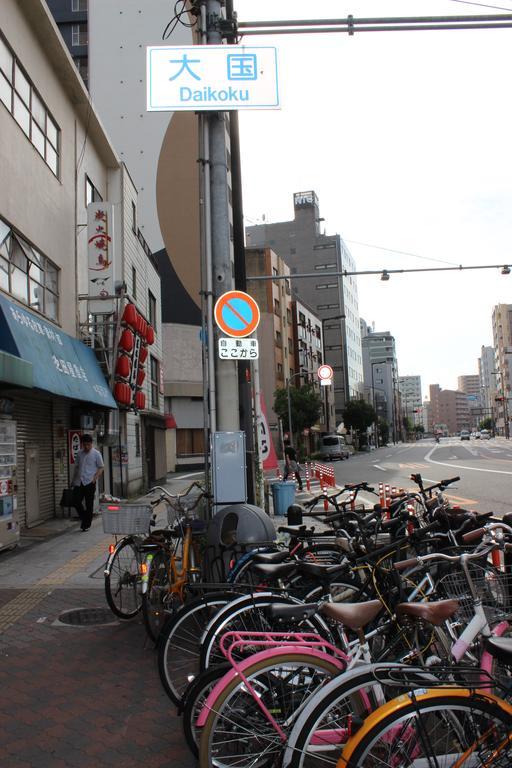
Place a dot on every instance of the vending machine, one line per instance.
(9, 527)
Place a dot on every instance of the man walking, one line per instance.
(88, 468)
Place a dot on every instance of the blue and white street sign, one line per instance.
(211, 77)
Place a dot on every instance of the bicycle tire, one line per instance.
(262, 740)
(154, 600)
(179, 642)
(193, 700)
(405, 730)
(340, 698)
(248, 614)
(122, 581)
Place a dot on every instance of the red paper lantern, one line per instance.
(141, 375)
(130, 316)
(126, 340)
(150, 334)
(122, 393)
(143, 353)
(123, 366)
(140, 401)
(142, 326)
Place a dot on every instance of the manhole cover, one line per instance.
(87, 617)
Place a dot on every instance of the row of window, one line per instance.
(28, 109)
(27, 274)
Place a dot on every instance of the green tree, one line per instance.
(383, 432)
(306, 406)
(359, 415)
(487, 423)
(407, 424)
(419, 429)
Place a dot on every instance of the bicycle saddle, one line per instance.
(274, 570)
(320, 571)
(435, 613)
(271, 557)
(500, 648)
(352, 615)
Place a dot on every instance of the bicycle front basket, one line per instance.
(126, 518)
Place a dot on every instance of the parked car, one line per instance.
(485, 434)
(464, 435)
(333, 447)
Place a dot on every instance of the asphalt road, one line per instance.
(484, 467)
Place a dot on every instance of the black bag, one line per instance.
(68, 497)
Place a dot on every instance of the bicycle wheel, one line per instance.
(193, 701)
(122, 580)
(237, 733)
(442, 728)
(157, 595)
(250, 614)
(331, 714)
(179, 643)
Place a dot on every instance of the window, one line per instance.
(82, 64)
(154, 381)
(278, 338)
(134, 217)
(23, 102)
(27, 274)
(277, 307)
(76, 6)
(137, 439)
(152, 310)
(91, 193)
(325, 286)
(79, 34)
(302, 319)
(134, 283)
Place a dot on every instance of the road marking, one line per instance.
(382, 469)
(460, 466)
(29, 598)
(460, 500)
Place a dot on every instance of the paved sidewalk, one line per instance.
(76, 696)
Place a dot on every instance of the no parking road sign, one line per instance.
(237, 314)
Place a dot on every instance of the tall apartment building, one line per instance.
(55, 160)
(502, 339)
(410, 390)
(381, 378)
(108, 41)
(486, 373)
(302, 245)
(275, 332)
(448, 407)
(470, 385)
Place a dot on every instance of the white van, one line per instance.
(333, 447)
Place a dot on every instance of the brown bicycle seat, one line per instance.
(434, 613)
(352, 615)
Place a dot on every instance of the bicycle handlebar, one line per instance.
(402, 565)
(479, 532)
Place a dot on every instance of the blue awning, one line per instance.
(60, 363)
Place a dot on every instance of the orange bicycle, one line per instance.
(173, 563)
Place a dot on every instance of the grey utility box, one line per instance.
(228, 468)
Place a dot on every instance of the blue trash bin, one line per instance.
(283, 494)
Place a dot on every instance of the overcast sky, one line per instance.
(406, 139)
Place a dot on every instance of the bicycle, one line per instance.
(174, 564)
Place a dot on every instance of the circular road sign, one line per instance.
(325, 372)
(237, 314)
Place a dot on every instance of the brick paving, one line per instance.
(82, 697)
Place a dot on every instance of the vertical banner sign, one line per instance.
(135, 366)
(266, 446)
(74, 443)
(100, 252)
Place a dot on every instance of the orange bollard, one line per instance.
(352, 499)
(382, 499)
(308, 481)
(410, 525)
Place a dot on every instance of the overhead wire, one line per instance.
(482, 5)
(402, 253)
(176, 19)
